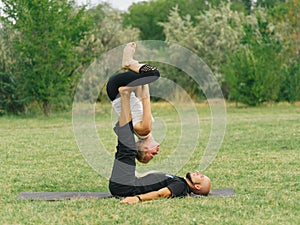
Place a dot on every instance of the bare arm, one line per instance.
(125, 116)
(162, 193)
(145, 126)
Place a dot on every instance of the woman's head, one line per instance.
(146, 149)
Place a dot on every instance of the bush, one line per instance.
(253, 75)
(11, 98)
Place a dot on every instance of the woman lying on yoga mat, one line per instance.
(124, 183)
(138, 75)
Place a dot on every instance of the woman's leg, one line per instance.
(148, 74)
(139, 74)
(128, 62)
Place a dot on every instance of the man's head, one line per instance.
(146, 149)
(199, 183)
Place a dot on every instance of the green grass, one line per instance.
(259, 158)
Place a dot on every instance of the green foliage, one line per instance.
(253, 49)
(53, 43)
(46, 34)
(252, 76)
(241, 50)
(253, 72)
(12, 99)
(286, 28)
(147, 15)
(268, 3)
(107, 33)
(290, 89)
(181, 79)
(181, 30)
(216, 33)
(144, 16)
(246, 4)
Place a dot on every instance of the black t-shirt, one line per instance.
(155, 181)
(178, 186)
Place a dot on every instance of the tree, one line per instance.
(216, 33)
(253, 72)
(252, 75)
(286, 29)
(46, 35)
(268, 3)
(107, 33)
(146, 15)
(11, 98)
(245, 6)
(237, 47)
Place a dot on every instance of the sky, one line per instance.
(119, 4)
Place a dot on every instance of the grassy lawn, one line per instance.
(259, 158)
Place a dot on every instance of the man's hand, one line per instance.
(161, 193)
(130, 200)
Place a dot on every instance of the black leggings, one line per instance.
(123, 181)
(131, 79)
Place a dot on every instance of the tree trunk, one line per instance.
(46, 108)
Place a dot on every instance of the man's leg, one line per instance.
(122, 181)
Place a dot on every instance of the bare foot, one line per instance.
(128, 62)
(128, 53)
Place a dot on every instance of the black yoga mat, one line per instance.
(55, 196)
